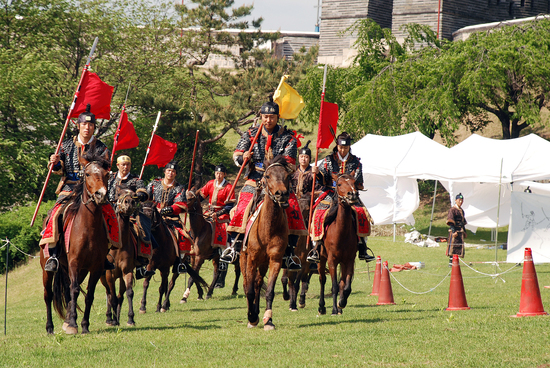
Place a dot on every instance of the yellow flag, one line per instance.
(290, 102)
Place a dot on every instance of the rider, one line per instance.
(302, 179)
(217, 191)
(125, 179)
(169, 196)
(274, 140)
(66, 164)
(341, 161)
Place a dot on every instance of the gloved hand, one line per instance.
(142, 196)
(166, 211)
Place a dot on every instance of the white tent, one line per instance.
(474, 170)
(391, 166)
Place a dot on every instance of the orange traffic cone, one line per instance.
(377, 274)
(457, 297)
(385, 294)
(530, 303)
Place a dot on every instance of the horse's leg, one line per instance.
(293, 289)
(322, 281)
(108, 313)
(72, 327)
(284, 281)
(249, 278)
(332, 269)
(197, 264)
(143, 306)
(216, 264)
(305, 286)
(92, 283)
(258, 284)
(120, 298)
(274, 269)
(237, 276)
(345, 291)
(166, 304)
(47, 281)
(163, 286)
(129, 286)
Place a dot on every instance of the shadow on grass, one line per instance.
(124, 328)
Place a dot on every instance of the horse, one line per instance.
(340, 245)
(291, 280)
(124, 260)
(164, 258)
(88, 246)
(267, 241)
(203, 234)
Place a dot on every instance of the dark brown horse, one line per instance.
(267, 242)
(291, 280)
(340, 245)
(124, 260)
(203, 234)
(164, 258)
(88, 247)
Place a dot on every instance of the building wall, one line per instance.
(291, 43)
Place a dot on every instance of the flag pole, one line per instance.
(149, 146)
(117, 132)
(60, 142)
(245, 162)
(193, 161)
(316, 159)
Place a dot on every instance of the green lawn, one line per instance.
(416, 332)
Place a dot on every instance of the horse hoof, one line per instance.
(162, 310)
(269, 327)
(71, 330)
(208, 297)
(252, 325)
(200, 299)
(293, 309)
(301, 305)
(65, 325)
(142, 311)
(183, 301)
(130, 324)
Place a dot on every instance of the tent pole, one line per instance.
(433, 206)
(394, 232)
(498, 213)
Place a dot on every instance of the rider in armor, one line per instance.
(66, 164)
(274, 140)
(217, 191)
(125, 179)
(169, 196)
(457, 231)
(341, 161)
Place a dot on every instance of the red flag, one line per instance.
(95, 92)
(161, 152)
(328, 118)
(126, 136)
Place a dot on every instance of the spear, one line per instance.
(149, 146)
(245, 161)
(316, 157)
(119, 122)
(191, 173)
(58, 148)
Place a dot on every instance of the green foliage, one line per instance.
(14, 226)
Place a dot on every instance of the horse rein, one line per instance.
(121, 199)
(265, 187)
(91, 197)
(341, 197)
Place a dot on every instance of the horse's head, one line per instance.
(127, 201)
(95, 175)
(193, 200)
(276, 180)
(345, 188)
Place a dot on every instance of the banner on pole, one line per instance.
(289, 100)
(126, 136)
(328, 118)
(529, 227)
(161, 152)
(95, 92)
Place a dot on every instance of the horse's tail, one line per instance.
(196, 277)
(61, 292)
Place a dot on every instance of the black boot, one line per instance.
(313, 255)
(290, 260)
(229, 255)
(141, 272)
(222, 272)
(52, 263)
(108, 265)
(362, 248)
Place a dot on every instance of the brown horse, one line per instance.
(340, 245)
(164, 258)
(88, 247)
(203, 234)
(291, 280)
(124, 260)
(267, 242)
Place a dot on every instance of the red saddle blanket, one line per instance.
(220, 234)
(185, 241)
(361, 217)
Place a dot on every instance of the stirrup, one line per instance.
(52, 264)
(313, 256)
(369, 257)
(229, 255)
(141, 272)
(292, 263)
(222, 266)
(182, 268)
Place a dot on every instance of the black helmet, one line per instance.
(86, 116)
(305, 150)
(459, 196)
(344, 139)
(220, 168)
(171, 165)
(270, 107)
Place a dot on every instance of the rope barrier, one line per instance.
(493, 275)
(415, 292)
(6, 241)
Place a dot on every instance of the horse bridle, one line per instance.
(266, 187)
(121, 199)
(341, 197)
(91, 197)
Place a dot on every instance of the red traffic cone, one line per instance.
(457, 297)
(530, 303)
(385, 293)
(377, 274)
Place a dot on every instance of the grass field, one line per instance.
(416, 332)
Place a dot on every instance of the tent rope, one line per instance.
(416, 292)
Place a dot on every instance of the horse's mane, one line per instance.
(75, 198)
